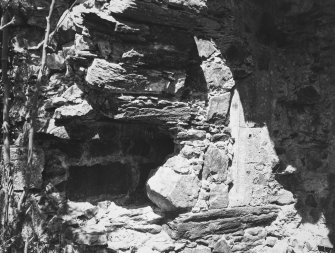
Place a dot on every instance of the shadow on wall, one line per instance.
(282, 109)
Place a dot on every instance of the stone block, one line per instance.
(71, 111)
(216, 73)
(283, 197)
(215, 163)
(73, 94)
(205, 47)
(222, 221)
(219, 106)
(221, 246)
(102, 73)
(173, 191)
(113, 77)
(218, 196)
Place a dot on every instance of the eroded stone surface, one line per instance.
(178, 72)
(173, 190)
(222, 221)
(23, 178)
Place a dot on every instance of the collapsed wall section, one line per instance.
(208, 112)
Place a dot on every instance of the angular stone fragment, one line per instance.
(221, 247)
(283, 197)
(168, 114)
(271, 241)
(73, 94)
(114, 78)
(215, 163)
(172, 191)
(325, 242)
(58, 131)
(218, 196)
(143, 215)
(216, 73)
(205, 47)
(192, 134)
(71, 111)
(83, 43)
(189, 152)
(102, 73)
(193, 226)
(218, 107)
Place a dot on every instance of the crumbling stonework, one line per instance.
(179, 126)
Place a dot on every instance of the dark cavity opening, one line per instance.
(101, 181)
(128, 154)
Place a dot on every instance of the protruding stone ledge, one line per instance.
(112, 77)
(197, 225)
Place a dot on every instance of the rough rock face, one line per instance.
(186, 126)
(171, 189)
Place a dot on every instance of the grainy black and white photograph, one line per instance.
(167, 126)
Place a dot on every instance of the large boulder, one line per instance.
(171, 190)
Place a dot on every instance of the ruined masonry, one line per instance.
(179, 126)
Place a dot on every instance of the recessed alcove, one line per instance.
(117, 162)
(102, 181)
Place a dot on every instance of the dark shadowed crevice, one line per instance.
(102, 181)
(116, 163)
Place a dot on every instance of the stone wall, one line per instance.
(213, 120)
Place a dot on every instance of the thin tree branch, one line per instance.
(5, 82)
(6, 170)
(36, 93)
(36, 47)
(57, 26)
(15, 21)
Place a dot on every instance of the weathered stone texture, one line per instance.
(23, 178)
(221, 221)
(190, 125)
(173, 188)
